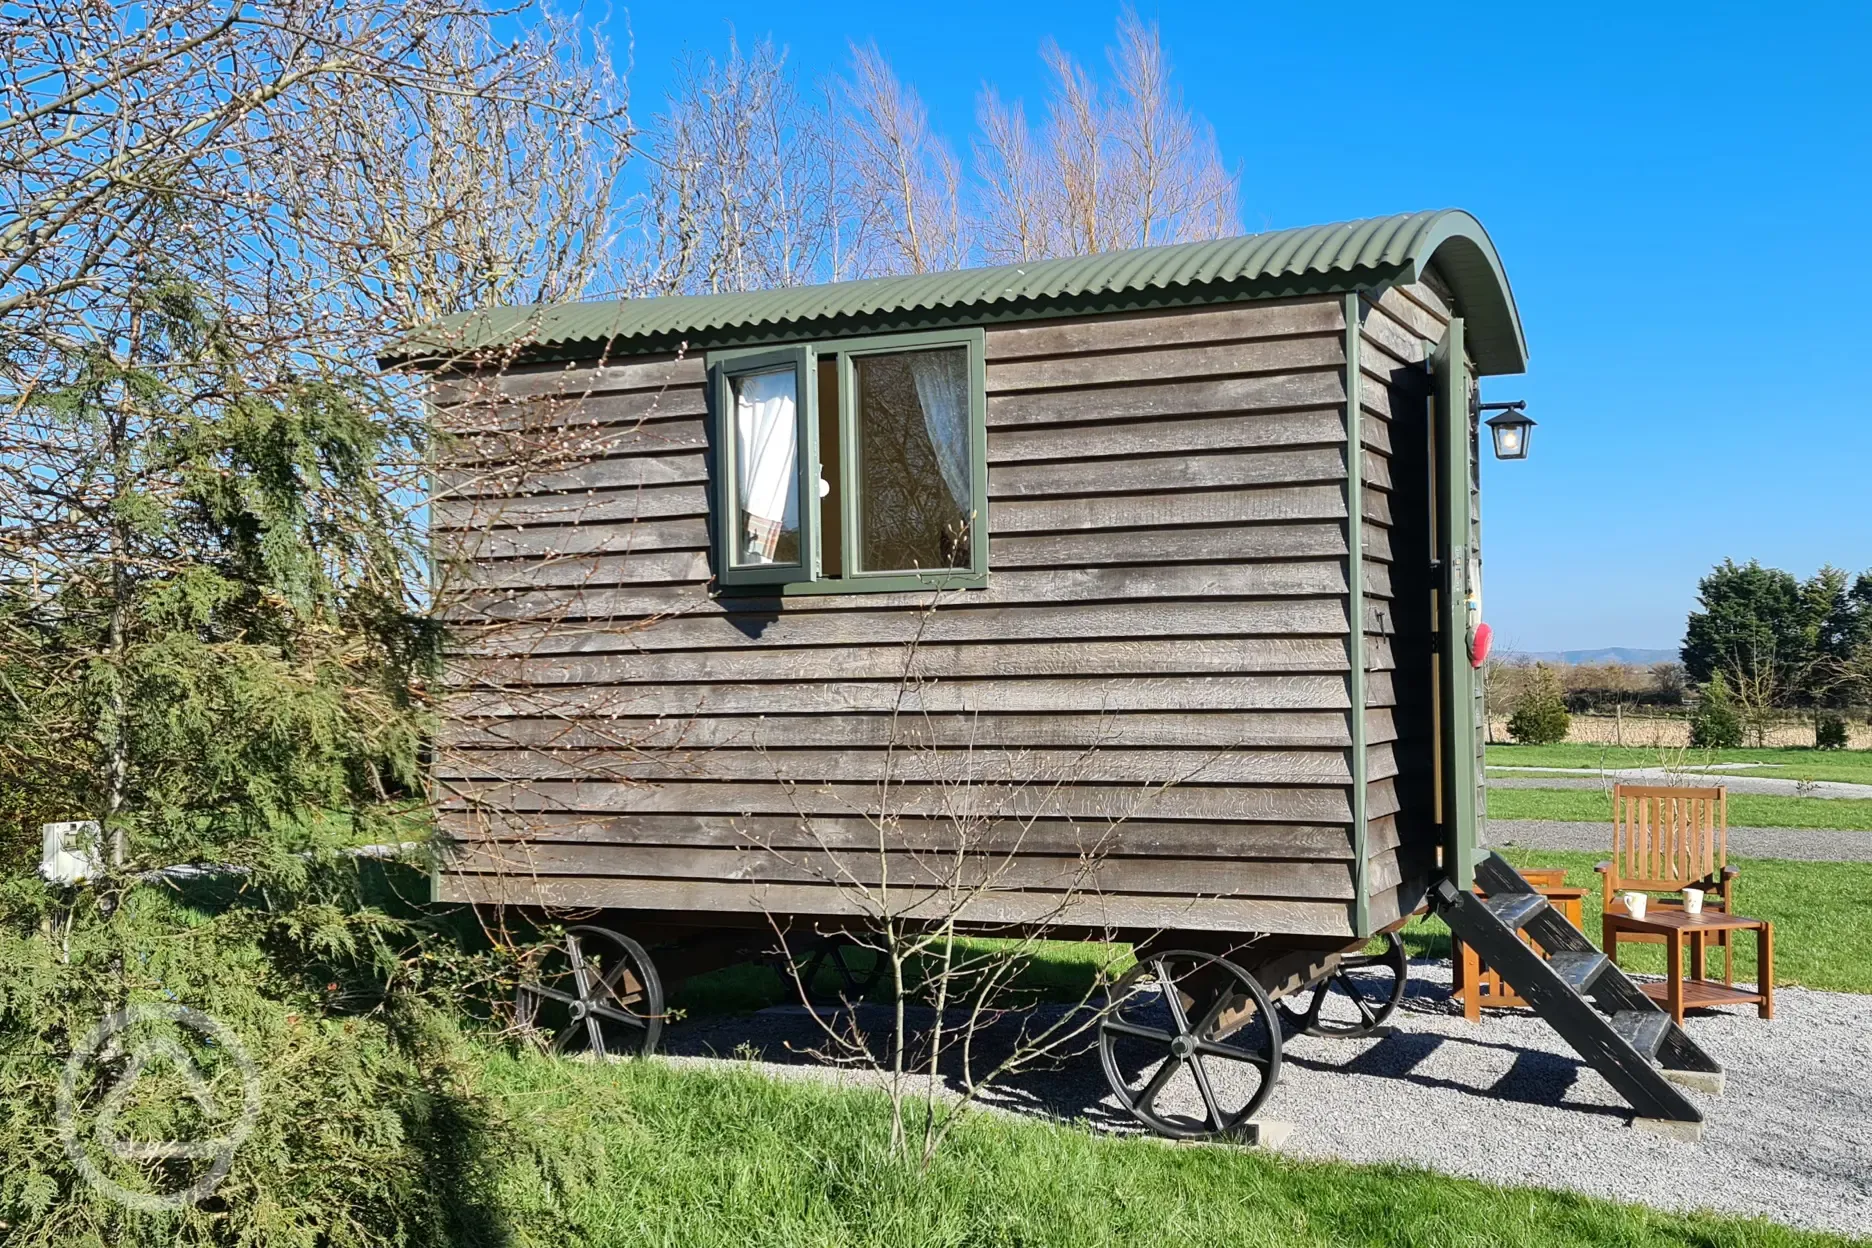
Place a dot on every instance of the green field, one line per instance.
(1852, 766)
(1746, 810)
(639, 1153)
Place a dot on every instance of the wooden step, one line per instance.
(1577, 969)
(1644, 1031)
(1515, 909)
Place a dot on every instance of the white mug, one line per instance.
(1635, 904)
(1693, 901)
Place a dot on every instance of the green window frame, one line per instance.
(723, 373)
(812, 575)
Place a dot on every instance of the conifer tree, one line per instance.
(1540, 716)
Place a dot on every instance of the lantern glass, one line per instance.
(1510, 431)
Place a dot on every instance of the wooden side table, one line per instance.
(1677, 994)
(1474, 984)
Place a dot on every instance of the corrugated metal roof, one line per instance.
(1314, 259)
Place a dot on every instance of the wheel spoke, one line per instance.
(595, 1034)
(1173, 997)
(1210, 1048)
(621, 1016)
(551, 994)
(1315, 1006)
(608, 982)
(1158, 1082)
(1208, 1093)
(1358, 1000)
(1118, 1028)
(1302, 1020)
(608, 992)
(1207, 1023)
(579, 974)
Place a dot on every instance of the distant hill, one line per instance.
(1611, 654)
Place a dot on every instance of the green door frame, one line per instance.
(1457, 564)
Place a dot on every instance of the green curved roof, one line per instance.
(1316, 259)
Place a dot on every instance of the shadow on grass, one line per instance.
(459, 1145)
(437, 1183)
(1058, 972)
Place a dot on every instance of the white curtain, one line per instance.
(766, 451)
(942, 387)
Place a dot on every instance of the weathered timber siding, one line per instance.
(1399, 333)
(1148, 706)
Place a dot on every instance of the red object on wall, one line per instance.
(1479, 644)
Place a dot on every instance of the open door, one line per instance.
(1457, 542)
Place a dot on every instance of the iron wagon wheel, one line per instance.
(1190, 1044)
(853, 968)
(595, 991)
(1356, 998)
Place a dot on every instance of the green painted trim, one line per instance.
(933, 320)
(1355, 612)
(723, 367)
(749, 596)
(848, 579)
(1464, 255)
(1460, 783)
(975, 340)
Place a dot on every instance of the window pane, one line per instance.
(914, 498)
(766, 469)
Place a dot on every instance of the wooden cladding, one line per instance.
(1159, 659)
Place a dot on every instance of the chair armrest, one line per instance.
(1605, 883)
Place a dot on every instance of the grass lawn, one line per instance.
(1822, 913)
(1852, 766)
(639, 1153)
(1746, 810)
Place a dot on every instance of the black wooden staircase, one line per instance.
(1586, 998)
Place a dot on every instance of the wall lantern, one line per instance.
(1511, 428)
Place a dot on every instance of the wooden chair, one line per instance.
(1667, 839)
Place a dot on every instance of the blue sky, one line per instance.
(1680, 195)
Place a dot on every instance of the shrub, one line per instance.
(1830, 732)
(1540, 716)
(368, 1131)
(1715, 724)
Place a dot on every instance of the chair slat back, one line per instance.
(1665, 837)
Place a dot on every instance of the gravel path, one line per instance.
(1506, 1101)
(1801, 844)
(1763, 785)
